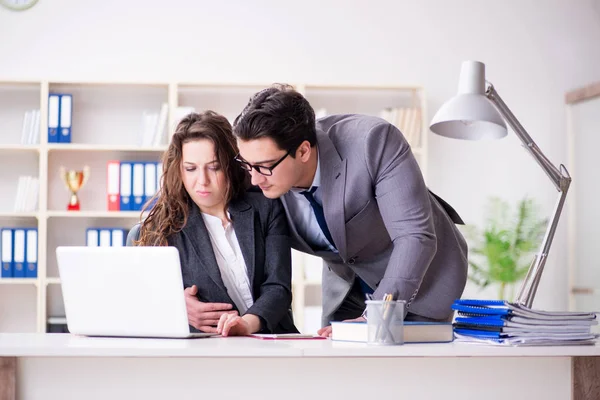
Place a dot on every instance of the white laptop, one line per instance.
(124, 291)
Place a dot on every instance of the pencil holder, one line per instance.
(385, 322)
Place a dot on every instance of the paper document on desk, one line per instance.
(527, 341)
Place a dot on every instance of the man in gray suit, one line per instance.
(354, 195)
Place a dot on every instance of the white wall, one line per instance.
(534, 51)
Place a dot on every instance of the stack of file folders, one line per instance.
(504, 323)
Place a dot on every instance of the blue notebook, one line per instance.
(481, 307)
(486, 308)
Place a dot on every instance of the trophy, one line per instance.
(74, 180)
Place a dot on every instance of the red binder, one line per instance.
(113, 171)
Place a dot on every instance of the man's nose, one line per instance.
(256, 177)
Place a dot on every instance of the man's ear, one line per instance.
(304, 151)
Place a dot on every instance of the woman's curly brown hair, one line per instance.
(170, 213)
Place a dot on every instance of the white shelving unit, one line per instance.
(106, 125)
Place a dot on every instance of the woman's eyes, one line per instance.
(211, 168)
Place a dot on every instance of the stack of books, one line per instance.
(504, 323)
(27, 196)
(414, 332)
(30, 132)
(154, 125)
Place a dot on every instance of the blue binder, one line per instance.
(7, 251)
(137, 185)
(104, 237)
(19, 246)
(150, 172)
(31, 256)
(125, 183)
(117, 237)
(53, 117)
(92, 237)
(65, 120)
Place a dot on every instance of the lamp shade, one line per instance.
(469, 115)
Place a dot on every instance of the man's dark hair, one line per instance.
(279, 113)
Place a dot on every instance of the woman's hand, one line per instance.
(234, 325)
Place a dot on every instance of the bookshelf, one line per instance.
(106, 125)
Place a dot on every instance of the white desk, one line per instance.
(53, 366)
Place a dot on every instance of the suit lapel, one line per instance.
(333, 186)
(298, 239)
(242, 216)
(197, 235)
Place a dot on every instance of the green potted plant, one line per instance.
(501, 253)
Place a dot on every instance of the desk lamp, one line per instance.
(477, 112)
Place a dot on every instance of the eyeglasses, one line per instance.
(261, 169)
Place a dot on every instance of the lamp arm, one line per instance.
(553, 173)
(562, 181)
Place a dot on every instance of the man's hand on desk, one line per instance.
(204, 316)
(326, 332)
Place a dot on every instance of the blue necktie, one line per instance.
(366, 289)
(318, 210)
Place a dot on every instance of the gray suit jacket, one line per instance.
(261, 228)
(389, 229)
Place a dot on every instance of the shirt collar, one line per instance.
(214, 222)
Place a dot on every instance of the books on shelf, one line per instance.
(504, 323)
(414, 332)
(26, 199)
(30, 132)
(179, 113)
(407, 120)
(154, 127)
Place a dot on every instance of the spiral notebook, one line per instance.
(501, 322)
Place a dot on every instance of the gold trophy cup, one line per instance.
(74, 181)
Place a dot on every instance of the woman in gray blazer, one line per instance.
(234, 245)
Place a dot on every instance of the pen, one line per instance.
(384, 323)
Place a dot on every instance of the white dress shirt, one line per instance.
(304, 217)
(230, 261)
